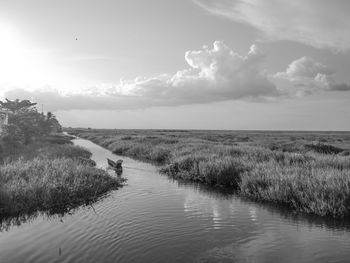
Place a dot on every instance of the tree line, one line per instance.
(25, 123)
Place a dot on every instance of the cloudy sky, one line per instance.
(185, 64)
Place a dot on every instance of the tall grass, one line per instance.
(50, 178)
(305, 179)
(50, 185)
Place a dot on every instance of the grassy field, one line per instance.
(306, 171)
(51, 176)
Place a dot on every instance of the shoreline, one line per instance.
(291, 180)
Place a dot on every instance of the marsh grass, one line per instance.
(323, 148)
(306, 179)
(51, 178)
(56, 185)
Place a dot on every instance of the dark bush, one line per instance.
(323, 148)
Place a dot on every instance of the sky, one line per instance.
(185, 64)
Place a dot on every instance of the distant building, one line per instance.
(4, 118)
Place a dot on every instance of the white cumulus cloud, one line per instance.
(307, 74)
(214, 74)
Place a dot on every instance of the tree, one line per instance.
(16, 105)
(26, 124)
(31, 124)
(53, 123)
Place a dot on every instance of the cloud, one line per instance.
(340, 87)
(318, 23)
(309, 75)
(214, 74)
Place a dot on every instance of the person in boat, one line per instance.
(116, 166)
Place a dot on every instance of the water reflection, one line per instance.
(214, 195)
(252, 212)
(8, 222)
(311, 221)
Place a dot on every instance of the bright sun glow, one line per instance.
(20, 64)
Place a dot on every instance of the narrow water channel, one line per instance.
(156, 219)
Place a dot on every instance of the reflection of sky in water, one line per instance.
(221, 212)
(217, 211)
(253, 234)
(253, 214)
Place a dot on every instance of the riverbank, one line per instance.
(305, 176)
(51, 176)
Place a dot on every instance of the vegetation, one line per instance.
(51, 184)
(311, 179)
(324, 148)
(26, 124)
(40, 169)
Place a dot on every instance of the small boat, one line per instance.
(116, 166)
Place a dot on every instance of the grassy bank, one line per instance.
(308, 172)
(51, 176)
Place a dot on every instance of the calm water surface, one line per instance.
(156, 219)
